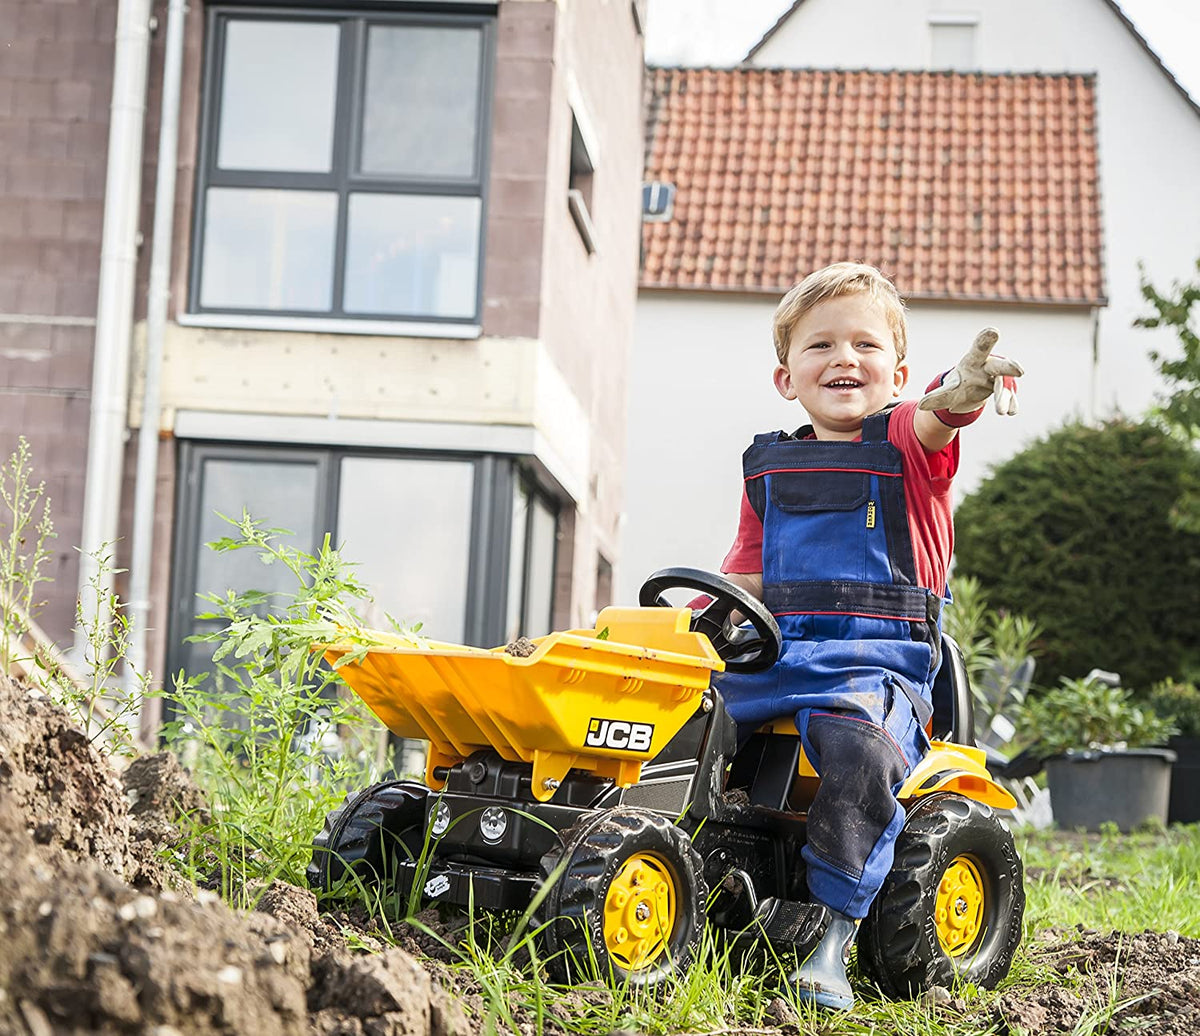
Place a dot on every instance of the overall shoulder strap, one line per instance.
(875, 427)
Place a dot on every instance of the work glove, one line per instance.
(976, 377)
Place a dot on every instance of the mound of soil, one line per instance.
(98, 937)
(94, 938)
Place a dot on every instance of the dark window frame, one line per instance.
(346, 148)
(580, 180)
(496, 480)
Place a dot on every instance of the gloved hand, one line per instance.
(976, 377)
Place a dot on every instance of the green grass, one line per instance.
(1128, 883)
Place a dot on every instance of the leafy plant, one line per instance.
(25, 527)
(997, 649)
(1181, 408)
(1089, 713)
(251, 729)
(98, 702)
(1180, 701)
(95, 699)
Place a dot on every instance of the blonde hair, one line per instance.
(833, 282)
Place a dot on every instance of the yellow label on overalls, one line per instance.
(870, 514)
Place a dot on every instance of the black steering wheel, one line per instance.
(743, 650)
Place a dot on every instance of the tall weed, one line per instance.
(25, 528)
(256, 729)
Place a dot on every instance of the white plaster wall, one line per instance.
(1149, 136)
(700, 389)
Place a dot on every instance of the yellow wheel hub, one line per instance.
(639, 912)
(959, 910)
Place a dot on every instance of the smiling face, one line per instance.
(842, 365)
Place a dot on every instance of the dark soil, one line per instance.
(98, 936)
(522, 647)
(1147, 983)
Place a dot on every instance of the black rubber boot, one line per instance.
(821, 979)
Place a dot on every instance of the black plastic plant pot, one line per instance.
(1124, 787)
(1185, 781)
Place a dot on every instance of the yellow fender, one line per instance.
(957, 768)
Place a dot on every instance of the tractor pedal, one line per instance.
(794, 923)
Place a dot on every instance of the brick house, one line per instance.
(402, 283)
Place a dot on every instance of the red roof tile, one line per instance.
(957, 185)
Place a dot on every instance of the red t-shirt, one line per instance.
(927, 479)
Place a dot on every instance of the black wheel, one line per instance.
(630, 898)
(366, 833)
(952, 905)
(744, 650)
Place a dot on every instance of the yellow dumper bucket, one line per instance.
(605, 700)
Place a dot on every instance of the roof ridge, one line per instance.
(809, 69)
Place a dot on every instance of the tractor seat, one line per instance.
(953, 708)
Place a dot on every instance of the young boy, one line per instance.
(846, 534)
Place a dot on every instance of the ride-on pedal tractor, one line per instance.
(604, 763)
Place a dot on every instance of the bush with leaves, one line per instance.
(1179, 700)
(997, 647)
(1076, 532)
(1088, 713)
(1180, 408)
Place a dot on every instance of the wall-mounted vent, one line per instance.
(658, 201)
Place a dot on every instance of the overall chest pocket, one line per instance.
(807, 491)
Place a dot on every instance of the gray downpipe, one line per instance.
(114, 308)
(159, 297)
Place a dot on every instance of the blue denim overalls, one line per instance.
(861, 643)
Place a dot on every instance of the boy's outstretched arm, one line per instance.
(956, 399)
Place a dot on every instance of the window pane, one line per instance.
(278, 91)
(266, 249)
(952, 46)
(421, 108)
(279, 494)
(540, 592)
(516, 564)
(416, 255)
(408, 525)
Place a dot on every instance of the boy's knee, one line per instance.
(854, 749)
(860, 765)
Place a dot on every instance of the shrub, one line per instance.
(1088, 713)
(1077, 533)
(1179, 699)
(251, 730)
(996, 649)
